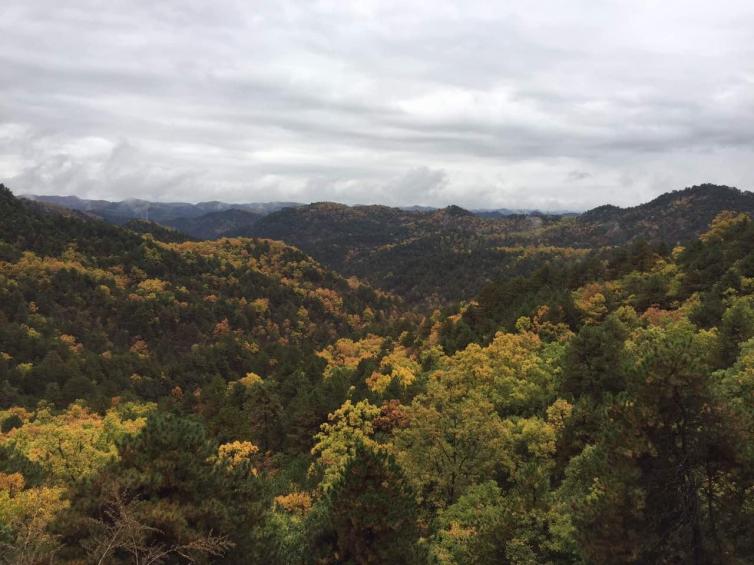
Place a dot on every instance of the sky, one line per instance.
(551, 104)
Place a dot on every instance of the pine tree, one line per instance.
(373, 511)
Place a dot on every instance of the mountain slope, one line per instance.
(430, 257)
(215, 224)
(674, 217)
(127, 312)
(445, 255)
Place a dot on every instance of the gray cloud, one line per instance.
(576, 176)
(518, 105)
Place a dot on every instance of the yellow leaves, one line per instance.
(348, 426)
(515, 371)
(277, 261)
(32, 266)
(140, 348)
(724, 223)
(453, 440)
(297, 503)
(152, 285)
(524, 324)
(260, 305)
(434, 333)
(558, 414)
(591, 300)
(395, 366)
(250, 380)
(30, 332)
(75, 443)
(149, 288)
(542, 327)
(11, 483)
(237, 453)
(70, 342)
(302, 314)
(747, 285)
(348, 353)
(507, 355)
(627, 315)
(27, 513)
(538, 436)
(368, 314)
(222, 328)
(331, 300)
(458, 532)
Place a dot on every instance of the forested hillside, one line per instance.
(673, 217)
(402, 250)
(170, 400)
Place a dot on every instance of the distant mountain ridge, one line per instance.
(130, 209)
(402, 251)
(673, 217)
(434, 255)
(215, 219)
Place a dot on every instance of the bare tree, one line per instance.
(122, 532)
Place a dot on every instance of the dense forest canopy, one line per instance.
(519, 390)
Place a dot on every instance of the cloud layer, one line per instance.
(535, 104)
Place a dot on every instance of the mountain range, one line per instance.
(399, 249)
(120, 212)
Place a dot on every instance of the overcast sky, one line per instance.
(548, 104)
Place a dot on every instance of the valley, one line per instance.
(327, 384)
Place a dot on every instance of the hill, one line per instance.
(215, 224)
(158, 231)
(674, 217)
(175, 312)
(429, 257)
